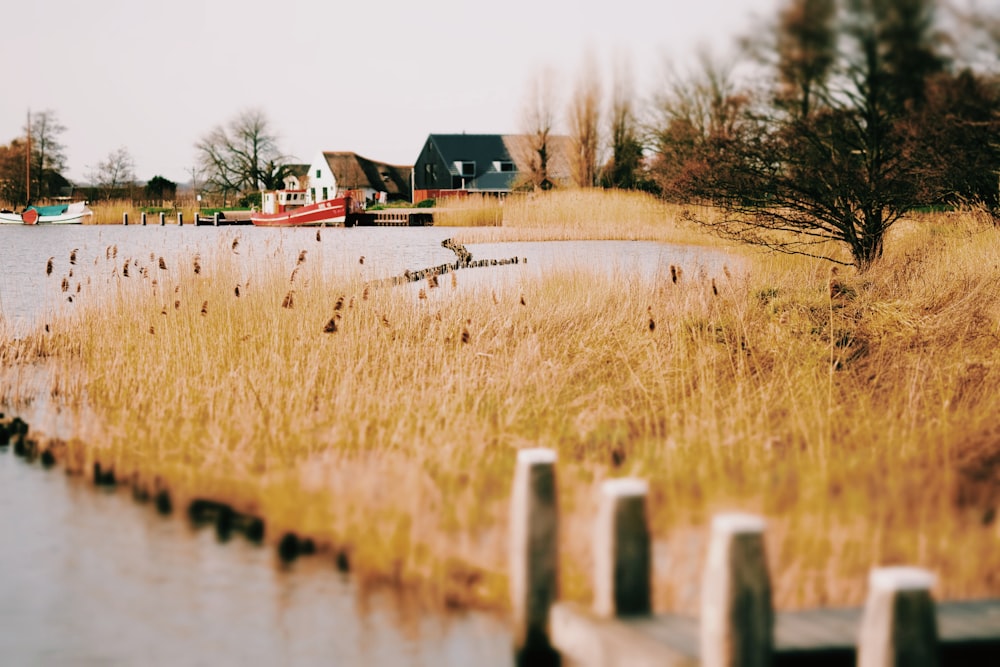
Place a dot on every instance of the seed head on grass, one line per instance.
(177, 304)
(673, 274)
(72, 255)
(236, 244)
(364, 294)
(295, 272)
(65, 284)
(204, 308)
(302, 257)
(163, 264)
(331, 326)
(522, 301)
(318, 238)
(236, 291)
(339, 304)
(361, 260)
(289, 300)
(422, 294)
(466, 336)
(48, 266)
(715, 290)
(125, 269)
(197, 264)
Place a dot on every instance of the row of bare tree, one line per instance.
(841, 116)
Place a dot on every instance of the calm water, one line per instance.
(92, 578)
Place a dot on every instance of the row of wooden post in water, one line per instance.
(900, 624)
(216, 219)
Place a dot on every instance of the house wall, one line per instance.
(430, 172)
(320, 177)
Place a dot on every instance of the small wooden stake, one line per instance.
(737, 618)
(534, 554)
(622, 564)
(899, 626)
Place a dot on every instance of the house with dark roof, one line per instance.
(486, 164)
(332, 174)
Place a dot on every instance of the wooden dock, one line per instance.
(391, 217)
(900, 623)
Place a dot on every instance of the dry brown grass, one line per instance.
(863, 425)
(110, 213)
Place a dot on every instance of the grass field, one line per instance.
(857, 412)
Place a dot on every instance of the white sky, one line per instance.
(372, 78)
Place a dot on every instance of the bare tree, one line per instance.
(48, 154)
(848, 169)
(623, 170)
(584, 124)
(533, 150)
(242, 156)
(696, 112)
(114, 174)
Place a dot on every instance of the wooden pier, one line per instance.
(391, 217)
(900, 623)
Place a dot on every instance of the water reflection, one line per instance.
(90, 577)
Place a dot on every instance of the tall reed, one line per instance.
(861, 421)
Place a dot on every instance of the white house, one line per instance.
(332, 174)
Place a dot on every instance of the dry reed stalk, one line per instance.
(826, 416)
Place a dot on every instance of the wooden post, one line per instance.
(737, 618)
(197, 219)
(143, 215)
(180, 219)
(125, 218)
(899, 626)
(215, 219)
(534, 554)
(622, 563)
(163, 218)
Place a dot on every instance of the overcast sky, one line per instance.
(372, 78)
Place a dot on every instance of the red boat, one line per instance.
(286, 208)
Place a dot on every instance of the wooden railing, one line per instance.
(900, 623)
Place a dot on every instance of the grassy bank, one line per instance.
(861, 420)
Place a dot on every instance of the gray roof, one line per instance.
(485, 149)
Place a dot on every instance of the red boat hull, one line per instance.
(329, 212)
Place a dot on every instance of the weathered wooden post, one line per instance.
(622, 563)
(125, 218)
(899, 626)
(534, 555)
(180, 219)
(143, 215)
(737, 618)
(163, 218)
(215, 219)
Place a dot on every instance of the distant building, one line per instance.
(487, 164)
(332, 174)
(296, 176)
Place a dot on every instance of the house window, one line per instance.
(506, 166)
(317, 173)
(313, 193)
(325, 197)
(466, 168)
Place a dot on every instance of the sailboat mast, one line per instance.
(27, 162)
